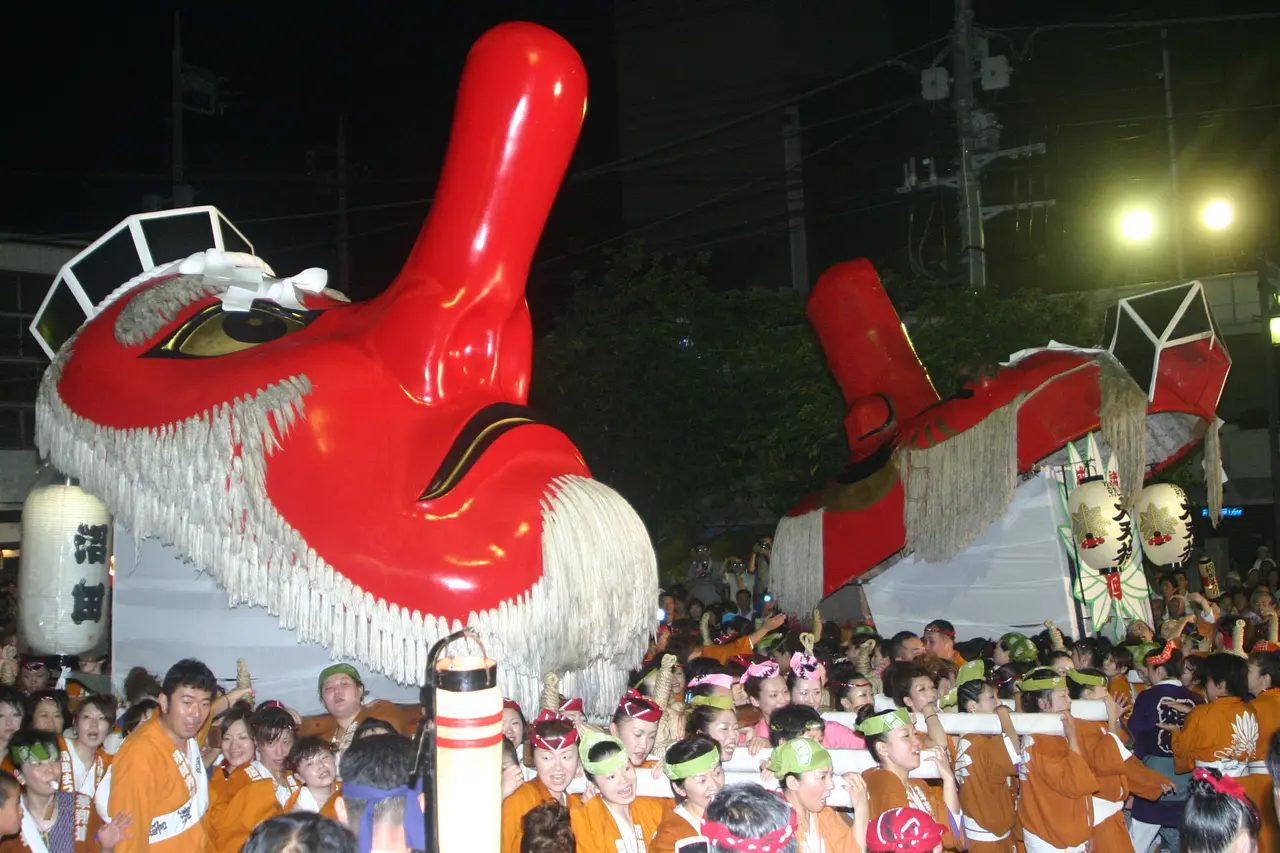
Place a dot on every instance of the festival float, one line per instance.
(953, 508)
(297, 477)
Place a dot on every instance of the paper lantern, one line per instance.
(1101, 528)
(468, 754)
(1164, 524)
(63, 583)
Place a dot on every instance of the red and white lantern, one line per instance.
(1164, 524)
(1101, 528)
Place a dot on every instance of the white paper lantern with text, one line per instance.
(1164, 524)
(1101, 527)
(64, 587)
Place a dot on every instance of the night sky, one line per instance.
(89, 105)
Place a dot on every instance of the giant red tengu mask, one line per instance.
(928, 476)
(368, 471)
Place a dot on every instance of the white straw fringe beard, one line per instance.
(589, 618)
(796, 571)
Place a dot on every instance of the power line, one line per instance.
(631, 232)
(761, 113)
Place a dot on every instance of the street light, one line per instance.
(1218, 215)
(1137, 225)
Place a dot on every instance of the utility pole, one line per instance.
(344, 262)
(978, 137)
(972, 240)
(180, 195)
(1174, 202)
(793, 155)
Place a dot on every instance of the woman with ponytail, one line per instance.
(985, 766)
(1219, 817)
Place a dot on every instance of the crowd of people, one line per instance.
(1187, 756)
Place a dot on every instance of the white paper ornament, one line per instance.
(1164, 524)
(64, 588)
(1101, 528)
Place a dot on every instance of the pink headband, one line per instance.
(715, 679)
(768, 669)
(806, 668)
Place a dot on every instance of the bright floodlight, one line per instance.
(1137, 225)
(1218, 215)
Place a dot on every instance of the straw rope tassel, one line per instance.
(1237, 639)
(550, 699)
(1056, 636)
(1272, 621)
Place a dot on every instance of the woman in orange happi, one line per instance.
(1264, 684)
(1057, 783)
(84, 761)
(1118, 771)
(693, 767)
(613, 819)
(986, 766)
(893, 744)
(805, 772)
(553, 754)
(261, 788)
(1223, 733)
(314, 762)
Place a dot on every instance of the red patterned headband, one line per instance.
(1226, 786)
(906, 830)
(553, 743)
(719, 834)
(574, 704)
(513, 705)
(1163, 658)
(638, 707)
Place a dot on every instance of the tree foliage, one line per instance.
(708, 406)
(700, 406)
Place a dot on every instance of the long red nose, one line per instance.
(456, 323)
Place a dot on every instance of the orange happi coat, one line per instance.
(1056, 786)
(1258, 783)
(886, 791)
(1119, 773)
(302, 800)
(596, 830)
(987, 770)
(403, 718)
(152, 778)
(675, 827)
(258, 797)
(522, 801)
(835, 833)
(1221, 734)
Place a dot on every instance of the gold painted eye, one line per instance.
(214, 332)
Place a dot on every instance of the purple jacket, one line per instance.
(1155, 747)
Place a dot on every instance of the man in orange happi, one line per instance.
(342, 692)
(158, 777)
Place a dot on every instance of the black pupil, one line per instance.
(253, 327)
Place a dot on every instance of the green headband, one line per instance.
(797, 756)
(1086, 679)
(974, 670)
(604, 766)
(709, 760)
(1031, 685)
(36, 753)
(724, 703)
(885, 723)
